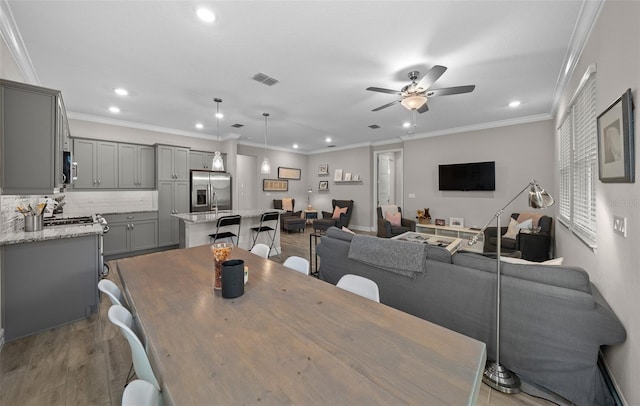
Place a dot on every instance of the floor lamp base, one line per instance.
(500, 378)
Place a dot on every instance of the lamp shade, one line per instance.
(539, 198)
(413, 102)
(265, 167)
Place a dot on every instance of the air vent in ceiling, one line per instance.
(265, 79)
(237, 125)
(374, 126)
(331, 146)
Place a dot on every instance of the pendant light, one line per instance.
(265, 168)
(217, 164)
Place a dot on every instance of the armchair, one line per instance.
(290, 220)
(386, 230)
(534, 247)
(328, 221)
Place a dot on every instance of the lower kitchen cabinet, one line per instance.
(173, 198)
(48, 283)
(130, 232)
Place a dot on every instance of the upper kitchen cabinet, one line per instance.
(203, 160)
(173, 163)
(136, 167)
(33, 132)
(97, 164)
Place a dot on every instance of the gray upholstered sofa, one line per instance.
(553, 319)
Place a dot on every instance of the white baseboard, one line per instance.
(612, 378)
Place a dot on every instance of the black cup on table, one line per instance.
(232, 278)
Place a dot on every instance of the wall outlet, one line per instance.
(620, 225)
(412, 195)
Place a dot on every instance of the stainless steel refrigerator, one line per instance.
(208, 189)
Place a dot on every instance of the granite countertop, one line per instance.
(210, 216)
(48, 233)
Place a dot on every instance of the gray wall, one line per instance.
(521, 153)
(613, 46)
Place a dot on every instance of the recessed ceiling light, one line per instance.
(199, 126)
(406, 124)
(121, 91)
(328, 139)
(206, 15)
(295, 146)
(514, 103)
(114, 109)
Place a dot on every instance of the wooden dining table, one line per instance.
(289, 339)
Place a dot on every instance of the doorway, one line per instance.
(247, 182)
(388, 180)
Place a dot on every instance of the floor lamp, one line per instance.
(495, 374)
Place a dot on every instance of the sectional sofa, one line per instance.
(553, 319)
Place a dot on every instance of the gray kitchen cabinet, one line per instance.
(97, 164)
(203, 160)
(136, 166)
(172, 163)
(49, 283)
(32, 137)
(173, 198)
(130, 232)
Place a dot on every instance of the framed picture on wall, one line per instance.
(337, 175)
(347, 176)
(456, 222)
(275, 185)
(323, 185)
(323, 169)
(616, 158)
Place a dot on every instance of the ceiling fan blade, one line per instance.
(423, 109)
(445, 91)
(430, 77)
(381, 90)
(386, 105)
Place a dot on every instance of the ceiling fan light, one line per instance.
(413, 102)
(265, 168)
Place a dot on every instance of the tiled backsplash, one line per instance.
(80, 204)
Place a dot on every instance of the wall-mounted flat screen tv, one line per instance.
(468, 176)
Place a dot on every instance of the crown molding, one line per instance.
(11, 35)
(477, 127)
(589, 13)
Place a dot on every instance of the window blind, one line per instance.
(578, 159)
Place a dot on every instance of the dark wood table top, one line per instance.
(289, 339)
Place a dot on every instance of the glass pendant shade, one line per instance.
(413, 102)
(265, 167)
(217, 164)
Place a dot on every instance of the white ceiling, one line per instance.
(324, 54)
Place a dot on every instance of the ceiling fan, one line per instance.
(415, 94)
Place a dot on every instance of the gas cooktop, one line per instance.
(69, 221)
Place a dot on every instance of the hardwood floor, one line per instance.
(86, 362)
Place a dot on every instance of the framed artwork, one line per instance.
(347, 176)
(356, 177)
(616, 157)
(439, 222)
(324, 185)
(323, 169)
(456, 222)
(337, 175)
(275, 185)
(289, 173)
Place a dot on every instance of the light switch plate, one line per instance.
(620, 225)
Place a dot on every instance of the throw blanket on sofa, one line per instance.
(404, 258)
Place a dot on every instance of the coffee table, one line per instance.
(451, 244)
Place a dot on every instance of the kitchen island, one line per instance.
(196, 227)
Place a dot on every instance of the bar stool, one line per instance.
(224, 222)
(268, 224)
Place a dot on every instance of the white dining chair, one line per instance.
(360, 286)
(112, 291)
(298, 264)
(141, 393)
(121, 317)
(261, 250)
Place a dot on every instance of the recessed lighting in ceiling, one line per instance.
(295, 146)
(121, 91)
(514, 103)
(206, 15)
(406, 124)
(327, 140)
(199, 126)
(114, 109)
